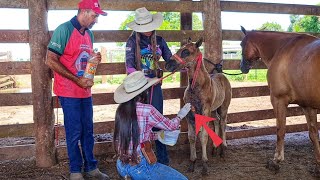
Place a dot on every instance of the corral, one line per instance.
(256, 152)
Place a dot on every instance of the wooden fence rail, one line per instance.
(22, 36)
(176, 6)
(185, 7)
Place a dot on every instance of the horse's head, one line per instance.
(186, 56)
(250, 53)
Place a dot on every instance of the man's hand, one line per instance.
(85, 82)
(97, 56)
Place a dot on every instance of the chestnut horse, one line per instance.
(293, 62)
(209, 96)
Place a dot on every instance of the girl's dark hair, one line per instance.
(127, 128)
(153, 44)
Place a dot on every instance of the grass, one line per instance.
(255, 75)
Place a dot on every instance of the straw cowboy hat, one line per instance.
(134, 84)
(145, 21)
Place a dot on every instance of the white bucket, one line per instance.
(169, 137)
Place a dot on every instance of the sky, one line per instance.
(230, 20)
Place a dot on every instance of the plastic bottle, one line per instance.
(91, 67)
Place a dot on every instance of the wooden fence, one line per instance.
(43, 102)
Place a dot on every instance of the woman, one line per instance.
(133, 128)
(143, 51)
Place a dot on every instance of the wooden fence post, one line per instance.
(185, 24)
(103, 52)
(213, 32)
(43, 116)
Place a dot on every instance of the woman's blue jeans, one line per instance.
(157, 102)
(145, 171)
(78, 123)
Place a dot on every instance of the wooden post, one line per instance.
(104, 79)
(213, 32)
(43, 116)
(110, 60)
(185, 24)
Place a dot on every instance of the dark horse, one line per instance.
(209, 95)
(293, 62)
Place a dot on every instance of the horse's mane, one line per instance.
(285, 33)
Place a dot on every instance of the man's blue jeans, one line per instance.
(78, 123)
(157, 102)
(146, 171)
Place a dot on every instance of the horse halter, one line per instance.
(199, 62)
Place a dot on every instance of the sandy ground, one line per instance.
(23, 114)
(245, 158)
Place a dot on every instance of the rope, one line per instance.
(151, 94)
(195, 75)
(232, 74)
(57, 124)
(218, 67)
(160, 79)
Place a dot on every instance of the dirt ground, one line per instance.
(245, 158)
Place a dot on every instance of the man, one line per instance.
(68, 52)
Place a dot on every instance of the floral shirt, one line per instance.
(146, 52)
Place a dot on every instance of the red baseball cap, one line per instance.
(92, 4)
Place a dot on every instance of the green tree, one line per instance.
(304, 23)
(171, 21)
(271, 26)
(292, 27)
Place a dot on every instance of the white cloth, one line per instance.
(168, 137)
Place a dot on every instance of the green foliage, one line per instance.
(304, 24)
(171, 22)
(271, 26)
(254, 75)
(172, 78)
(116, 79)
(196, 22)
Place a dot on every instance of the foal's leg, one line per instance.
(216, 124)
(223, 124)
(204, 141)
(311, 116)
(280, 108)
(192, 141)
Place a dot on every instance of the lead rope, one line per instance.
(57, 123)
(219, 70)
(199, 62)
(160, 79)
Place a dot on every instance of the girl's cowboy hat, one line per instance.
(145, 21)
(134, 84)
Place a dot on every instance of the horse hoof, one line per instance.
(272, 166)
(214, 152)
(317, 171)
(204, 171)
(223, 151)
(191, 166)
